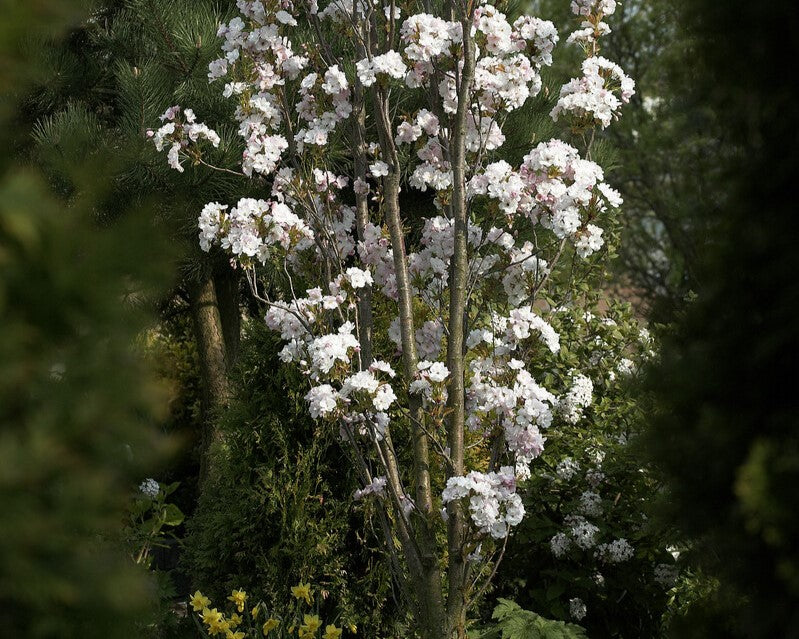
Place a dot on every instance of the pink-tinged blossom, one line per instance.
(322, 401)
(596, 97)
(493, 504)
(377, 488)
(593, 7)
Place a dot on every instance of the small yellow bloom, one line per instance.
(310, 624)
(238, 597)
(270, 625)
(255, 611)
(331, 632)
(352, 628)
(234, 635)
(235, 620)
(312, 621)
(302, 591)
(211, 616)
(218, 626)
(199, 601)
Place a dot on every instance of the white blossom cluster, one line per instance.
(615, 552)
(430, 381)
(577, 608)
(553, 187)
(253, 228)
(377, 488)
(576, 399)
(567, 192)
(150, 488)
(180, 129)
(590, 504)
(582, 534)
(595, 98)
(567, 468)
(493, 503)
(593, 7)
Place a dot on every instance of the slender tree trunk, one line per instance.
(210, 340)
(365, 321)
(226, 286)
(458, 283)
(424, 572)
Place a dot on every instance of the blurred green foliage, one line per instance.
(78, 406)
(725, 439)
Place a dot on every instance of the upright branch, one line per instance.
(458, 278)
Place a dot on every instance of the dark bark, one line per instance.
(209, 336)
(226, 285)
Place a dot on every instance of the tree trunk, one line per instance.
(210, 340)
(226, 285)
(458, 283)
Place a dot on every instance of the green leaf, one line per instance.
(172, 515)
(516, 623)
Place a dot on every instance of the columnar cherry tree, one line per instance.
(410, 331)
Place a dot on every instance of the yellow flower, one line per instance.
(254, 612)
(331, 632)
(211, 616)
(238, 597)
(199, 601)
(310, 624)
(270, 625)
(302, 591)
(235, 620)
(218, 626)
(352, 628)
(234, 635)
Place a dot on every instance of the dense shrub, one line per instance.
(586, 544)
(278, 511)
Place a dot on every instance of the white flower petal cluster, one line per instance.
(567, 468)
(553, 187)
(588, 34)
(576, 399)
(666, 575)
(377, 487)
(593, 7)
(494, 505)
(615, 552)
(590, 504)
(253, 228)
(322, 400)
(150, 488)
(505, 334)
(582, 532)
(517, 403)
(577, 608)
(559, 544)
(430, 381)
(180, 131)
(387, 64)
(597, 96)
